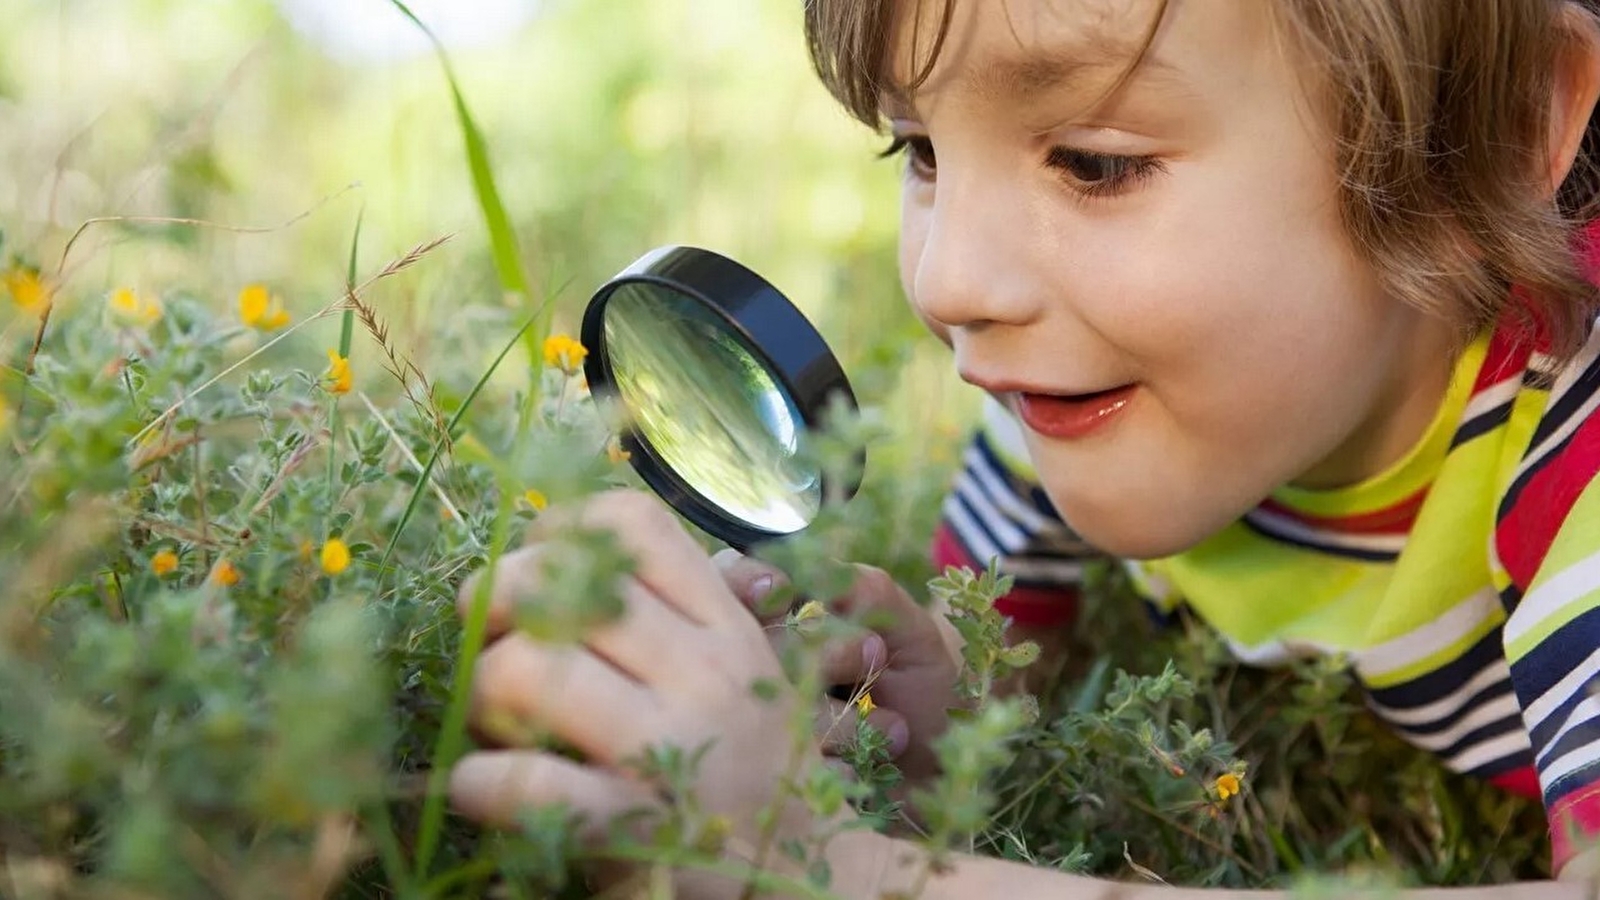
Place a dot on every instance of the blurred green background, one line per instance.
(614, 126)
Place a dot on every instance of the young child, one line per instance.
(1288, 304)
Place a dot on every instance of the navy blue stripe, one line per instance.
(1030, 493)
(1439, 683)
(1509, 763)
(1546, 729)
(1488, 695)
(1560, 411)
(1502, 725)
(982, 525)
(1481, 424)
(1582, 736)
(1510, 596)
(1521, 482)
(1572, 781)
(1553, 658)
(1346, 552)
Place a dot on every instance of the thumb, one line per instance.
(755, 583)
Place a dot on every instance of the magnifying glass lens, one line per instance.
(701, 397)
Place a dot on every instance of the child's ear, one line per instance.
(1577, 89)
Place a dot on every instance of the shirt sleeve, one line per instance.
(996, 510)
(1552, 644)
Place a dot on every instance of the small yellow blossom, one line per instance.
(615, 453)
(306, 549)
(225, 573)
(536, 498)
(1227, 785)
(28, 289)
(260, 310)
(338, 377)
(129, 308)
(564, 353)
(811, 609)
(164, 563)
(335, 556)
(864, 703)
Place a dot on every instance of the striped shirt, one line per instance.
(1463, 583)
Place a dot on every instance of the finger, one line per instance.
(517, 575)
(652, 641)
(521, 685)
(853, 660)
(754, 583)
(498, 787)
(667, 559)
(837, 721)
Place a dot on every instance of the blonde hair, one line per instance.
(1441, 110)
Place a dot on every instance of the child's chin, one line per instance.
(1130, 533)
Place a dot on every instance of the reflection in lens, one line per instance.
(712, 412)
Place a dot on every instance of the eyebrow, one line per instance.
(1023, 78)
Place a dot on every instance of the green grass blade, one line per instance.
(438, 446)
(502, 238)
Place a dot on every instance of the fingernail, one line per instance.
(899, 735)
(874, 653)
(760, 588)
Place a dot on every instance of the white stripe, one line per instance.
(978, 543)
(1283, 526)
(1003, 428)
(1549, 597)
(1569, 376)
(1004, 530)
(1495, 672)
(1005, 499)
(1560, 692)
(1499, 709)
(1572, 762)
(1054, 571)
(1487, 752)
(1274, 653)
(1582, 714)
(1421, 643)
(1491, 397)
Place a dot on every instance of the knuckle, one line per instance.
(504, 677)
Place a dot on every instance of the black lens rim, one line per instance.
(770, 327)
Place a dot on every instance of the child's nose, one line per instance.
(972, 269)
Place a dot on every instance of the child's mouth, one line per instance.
(1073, 415)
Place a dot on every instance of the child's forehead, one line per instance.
(1013, 49)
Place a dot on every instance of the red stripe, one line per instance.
(1394, 519)
(1507, 356)
(1036, 607)
(1523, 782)
(1575, 824)
(1524, 533)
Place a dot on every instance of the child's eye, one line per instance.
(918, 151)
(1101, 174)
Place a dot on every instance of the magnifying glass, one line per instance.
(722, 385)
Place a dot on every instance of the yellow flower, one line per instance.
(864, 703)
(564, 353)
(335, 556)
(129, 308)
(338, 376)
(306, 550)
(225, 573)
(164, 563)
(810, 610)
(260, 310)
(536, 498)
(615, 453)
(27, 289)
(1227, 785)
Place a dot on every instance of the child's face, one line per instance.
(1181, 242)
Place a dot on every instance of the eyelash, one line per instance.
(1122, 172)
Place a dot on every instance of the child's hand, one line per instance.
(910, 664)
(678, 668)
